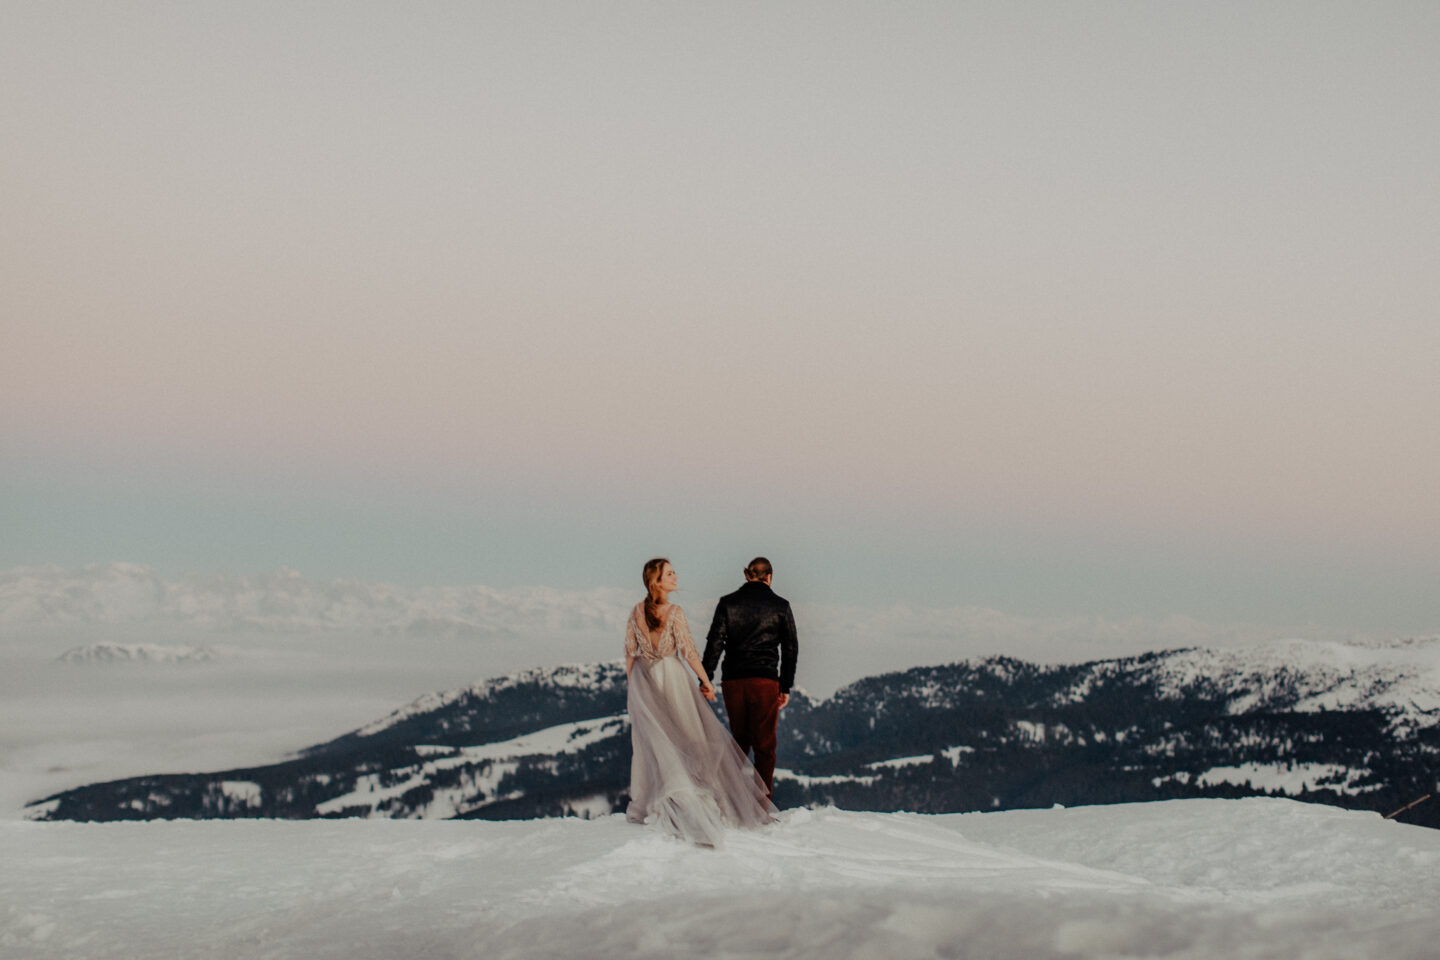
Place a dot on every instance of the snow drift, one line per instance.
(1184, 880)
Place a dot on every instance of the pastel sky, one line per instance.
(1095, 308)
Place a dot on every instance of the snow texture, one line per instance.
(1183, 880)
(1289, 778)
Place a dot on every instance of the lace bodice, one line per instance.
(674, 639)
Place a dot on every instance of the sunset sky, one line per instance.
(1093, 308)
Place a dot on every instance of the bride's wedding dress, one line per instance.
(687, 776)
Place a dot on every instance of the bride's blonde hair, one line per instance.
(653, 594)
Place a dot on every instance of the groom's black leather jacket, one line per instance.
(755, 630)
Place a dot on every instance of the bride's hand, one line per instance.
(707, 690)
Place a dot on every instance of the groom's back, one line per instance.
(753, 614)
(755, 631)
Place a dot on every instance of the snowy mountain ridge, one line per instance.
(1401, 678)
(493, 761)
(584, 676)
(1353, 726)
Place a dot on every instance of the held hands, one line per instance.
(707, 690)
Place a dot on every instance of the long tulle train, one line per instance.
(687, 776)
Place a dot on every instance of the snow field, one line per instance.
(1186, 880)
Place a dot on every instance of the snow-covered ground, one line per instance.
(1185, 879)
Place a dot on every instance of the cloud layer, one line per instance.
(284, 602)
(285, 610)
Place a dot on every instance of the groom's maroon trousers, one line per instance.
(753, 705)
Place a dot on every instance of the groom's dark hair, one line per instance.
(759, 569)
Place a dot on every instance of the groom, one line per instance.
(755, 631)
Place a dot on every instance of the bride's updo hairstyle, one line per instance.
(653, 596)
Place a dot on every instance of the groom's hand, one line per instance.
(784, 699)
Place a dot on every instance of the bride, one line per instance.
(687, 775)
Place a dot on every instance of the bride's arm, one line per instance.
(685, 644)
(632, 644)
(707, 689)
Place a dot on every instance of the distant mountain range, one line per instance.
(286, 602)
(137, 653)
(1343, 724)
